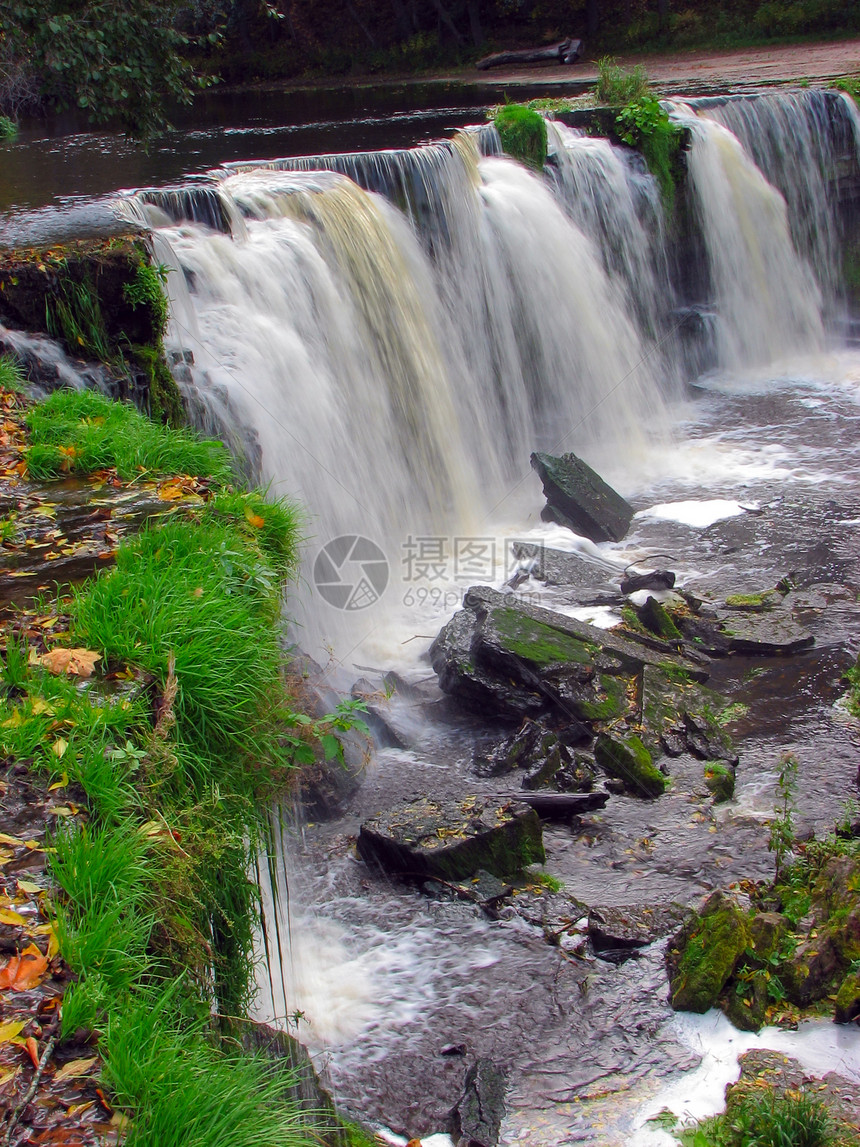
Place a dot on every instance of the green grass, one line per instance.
(8, 127)
(617, 86)
(766, 1119)
(523, 134)
(11, 374)
(644, 124)
(78, 432)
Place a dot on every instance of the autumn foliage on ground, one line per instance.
(143, 723)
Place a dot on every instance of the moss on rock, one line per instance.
(522, 132)
(706, 953)
(622, 755)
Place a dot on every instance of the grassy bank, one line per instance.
(165, 715)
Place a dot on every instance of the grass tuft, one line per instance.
(617, 86)
(11, 374)
(80, 431)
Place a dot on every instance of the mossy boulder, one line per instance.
(522, 132)
(624, 756)
(453, 840)
(720, 780)
(655, 617)
(847, 1007)
(704, 955)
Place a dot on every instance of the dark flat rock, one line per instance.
(453, 841)
(771, 632)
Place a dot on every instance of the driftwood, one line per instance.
(551, 804)
(656, 579)
(567, 52)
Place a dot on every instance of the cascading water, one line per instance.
(768, 302)
(394, 372)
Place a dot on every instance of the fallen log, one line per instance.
(567, 52)
(550, 804)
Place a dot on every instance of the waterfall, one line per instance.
(803, 142)
(768, 301)
(394, 358)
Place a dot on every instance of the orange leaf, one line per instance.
(33, 1051)
(75, 662)
(255, 520)
(23, 972)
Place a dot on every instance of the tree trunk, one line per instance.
(445, 17)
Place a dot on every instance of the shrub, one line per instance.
(645, 125)
(616, 86)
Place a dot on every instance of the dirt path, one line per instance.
(739, 66)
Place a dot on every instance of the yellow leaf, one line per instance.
(59, 748)
(53, 945)
(11, 1029)
(40, 705)
(13, 840)
(74, 1067)
(61, 783)
(29, 887)
(255, 520)
(7, 916)
(80, 1108)
(119, 1120)
(63, 810)
(7, 1074)
(14, 721)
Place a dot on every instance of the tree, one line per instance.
(119, 60)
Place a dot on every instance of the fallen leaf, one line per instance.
(30, 888)
(7, 1074)
(74, 662)
(59, 747)
(40, 705)
(119, 1120)
(23, 972)
(6, 839)
(7, 916)
(11, 1029)
(80, 1108)
(63, 810)
(32, 1049)
(61, 783)
(74, 1067)
(254, 519)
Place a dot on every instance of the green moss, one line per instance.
(625, 757)
(613, 704)
(538, 643)
(657, 618)
(165, 400)
(708, 952)
(522, 132)
(752, 600)
(675, 674)
(720, 780)
(644, 124)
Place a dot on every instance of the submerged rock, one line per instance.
(476, 1121)
(577, 497)
(451, 842)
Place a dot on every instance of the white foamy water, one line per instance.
(819, 1045)
(698, 514)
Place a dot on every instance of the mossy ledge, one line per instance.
(105, 301)
(171, 729)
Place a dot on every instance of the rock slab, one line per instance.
(429, 839)
(577, 497)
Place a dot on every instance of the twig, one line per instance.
(31, 1090)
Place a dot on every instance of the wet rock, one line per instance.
(771, 632)
(478, 688)
(453, 841)
(377, 715)
(476, 1121)
(847, 1007)
(658, 619)
(563, 806)
(747, 1010)
(720, 781)
(633, 926)
(556, 567)
(578, 498)
(705, 953)
(625, 757)
(544, 754)
(656, 579)
(771, 1072)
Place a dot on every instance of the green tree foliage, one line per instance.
(120, 62)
